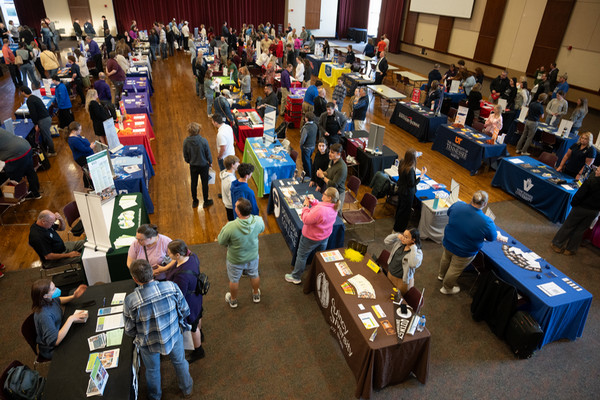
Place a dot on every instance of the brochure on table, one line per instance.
(269, 124)
(102, 175)
(454, 86)
(523, 114)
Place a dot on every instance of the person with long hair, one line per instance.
(98, 114)
(318, 219)
(185, 275)
(407, 187)
(474, 104)
(578, 156)
(405, 257)
(46, 303)
(493, 124)
(579, 114)
(320, 162)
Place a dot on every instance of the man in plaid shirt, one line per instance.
(155, 316)
(339, 94)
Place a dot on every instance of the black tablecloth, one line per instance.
(67, 378)
(417, 121)
(370, 163)
(357, 34)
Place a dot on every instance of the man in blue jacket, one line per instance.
(240, 188)
(62, 100)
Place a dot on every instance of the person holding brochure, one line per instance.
(405, 257)
(185, 275)
(48, 314)
(318, 222)
(155, 316)
(152, 247)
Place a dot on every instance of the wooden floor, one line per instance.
(175, 105)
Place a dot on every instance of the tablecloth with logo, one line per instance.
(417, 120)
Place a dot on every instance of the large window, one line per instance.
(374, 10)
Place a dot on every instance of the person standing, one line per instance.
(331, 124)
(49, 61)
(579, 114)
(360, 105)
(474, 104)
(88, 28)
(407, 188)
(580, 154)
(41, 118)
(155, 315)
(381, 68)
(586, 205)
(27, 68)
(309, 97)
(116, 75)
(318, 222)
(224, 140)
(95, 54)
(535, 113)
(185, 274)
(81, 149)
(240, 188)
(77, 29)
(320, 162)
(286, 85)
(63, 101)
(556, 108)
(16, 153)
(9, 60)
(55, 34)
(105, 24)
(75, 72)
(336, 174)
(227, 177)
(241, 239)
(308, 137)
(499, 86)
(98, 114)
(468, 227)
(196, 153)
(222, 107)
(339, 94)
(405, 257)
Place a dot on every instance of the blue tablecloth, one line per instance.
(562, 143)
(22, 128)
(289, 221)
(268, 167)
(135, 85)
(23, 111)
(417, 120)
(13, 47)
(529, 185)
(135, 182)
(138, 103)
(315, 63)
(562, 316)
(455, 97)
(466, 147)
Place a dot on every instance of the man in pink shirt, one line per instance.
(318, 224)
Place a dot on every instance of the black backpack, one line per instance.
(202, 283)
(24, 383)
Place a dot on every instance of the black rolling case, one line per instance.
(523, 334)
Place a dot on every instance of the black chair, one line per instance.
(29, 333)
(478, 126)
(413, 297)
(382, 260)
(294, 155)
(353, 184)
(72, 214)
(452, 115)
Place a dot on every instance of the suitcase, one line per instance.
(523, 334)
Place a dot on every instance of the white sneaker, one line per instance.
(454, 290)
(232, 303)
(256, 297)
(440, 278)
(518, 151)
(290, 278)
(524, 153)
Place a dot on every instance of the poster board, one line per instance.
(269, 124)
(502, 103)
(454, 86)
(564, 128)
(416, 96)
(114, 144)
(102, 175)
(523, 114)
(461, 115)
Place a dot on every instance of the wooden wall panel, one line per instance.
(410, 28)
(442, 38)
(550, 34)
(80, 9)
(488, 33)
(312, 16)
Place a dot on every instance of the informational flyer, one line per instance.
(102, 177)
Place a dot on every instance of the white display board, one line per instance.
(454, 8)
(523, 114)
(454, 86)
(269, 124)
(461, 115)
(564, 128)
(94, 223)
(114, 144)
(101, 173)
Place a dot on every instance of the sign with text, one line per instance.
(102, 177)
(269, 124)
(416, 96)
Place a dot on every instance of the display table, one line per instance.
(466, 147)
(413, 79)
(354, 80)
(369, 163)
(52, 90)
(136, 85)
(563, 144)
(417, 120)
(110, 267)
(386, 93)
(67, 378)
(528, 180)
(562, 316)
(357, 34)
(137, 72)
(358, 140)
(315, 63)
(23, 111)
(330, 72)
(376, 364)
(287, 197)
(224, 82)
(141, 133)
(247, 122)
(268, 165)
(23, 129)
(138, 103)
(133, 182)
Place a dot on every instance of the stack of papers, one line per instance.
(106, 339)
(118, 299)
(110, 310)
(124, 241)
(331, 256)
(363, 287)
(343, 268)
(348, 288)
(551, 289)
(128, 201)
(126, 219)
(109, 359)
(368, 320)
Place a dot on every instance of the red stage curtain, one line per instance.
(30, 13)
(351, 14)
(390, 22)
(210, 13)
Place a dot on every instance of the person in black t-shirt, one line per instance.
(47, 243)
(579, 154)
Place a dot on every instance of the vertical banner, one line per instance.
(114, 144)
(269, 124)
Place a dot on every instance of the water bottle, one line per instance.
(421, 325)
(377, 150)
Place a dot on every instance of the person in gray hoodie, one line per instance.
(241, 239)
(196, 152)
(227, 176)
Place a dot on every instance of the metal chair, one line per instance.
(413, 297)
(353, 184)
(549, 159)
(6, 203)
(30, 334)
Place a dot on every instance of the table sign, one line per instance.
(92, 217)
(564, 128)
(454, 86)
(114, 144)
(416, 96)
(269, 124)
(461, 115)
(523, 114)
(502, 103)
(102, 175)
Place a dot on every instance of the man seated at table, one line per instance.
(360, 105)
(468, 227)
(47, 243)
(270, 99)
(381, 68)
(154, 315)
(240, 188)
(331, 124)
(336, 173)
(17, 155)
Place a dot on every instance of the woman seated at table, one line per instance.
(434, 96)
(184, 273)
(320, 161)
(474, 104)
(48, 314)
(152, 247)
(81, 149)
(405, 257)
(98, 114)
(407, 188)
(318, 222)
(578, 156)
(493, 124)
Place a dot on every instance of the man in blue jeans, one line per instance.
(155, 316)
(308, 138)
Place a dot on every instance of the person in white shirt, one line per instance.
(202, 31)
(299, 75)
(185, 31)
(224, 140)
(387, 42)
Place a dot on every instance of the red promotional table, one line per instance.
(142, 133)
(245, 131)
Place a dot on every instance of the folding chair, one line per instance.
(364, 215)
(353, 184)
(30, 334)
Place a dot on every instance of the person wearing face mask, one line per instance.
(405, 257)
(48, 314)
(46, 242)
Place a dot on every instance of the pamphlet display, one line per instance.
(114, 144)
(564, 128)
(90, 210)
(461, 115)
(102, 177)
(454, 86)
(523, 114)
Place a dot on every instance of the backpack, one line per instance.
(24, 383)
(202, 283)
(380, 185)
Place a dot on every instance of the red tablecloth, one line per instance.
(352, 145)
(486, 109)
(247, 131)
(142, 133)
(43, 91)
